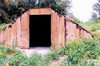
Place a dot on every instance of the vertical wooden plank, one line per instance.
(19, 33)
(62, 31)
(9, 42)
(25, 30)
(1, 37)
(54, 29)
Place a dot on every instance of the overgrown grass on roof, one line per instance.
(3, 26)
(93, 27)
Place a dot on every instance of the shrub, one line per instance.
(2, 58)
(90, 63)
(63, 64)
(91, 48)
(5, 53)
(3, 26)
(93, 28)
(77, 49)
(53, 55)
(35, 60)
(17, 59)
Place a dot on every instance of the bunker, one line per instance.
(42, 27)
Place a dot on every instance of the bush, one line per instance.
(89, 63)
(93, 28)
(13, 57)
(53, 55)
(91, 48)
(35, 60)
(3, 26)
(16, 59)
(77, 49)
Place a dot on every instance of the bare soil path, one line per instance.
(39, 50)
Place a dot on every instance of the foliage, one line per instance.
(63, 64)
(57, 5)
(94, 17)
(75, 51)
(35, 60)
(77, 20)
(3, 26)
(53, 55)
(5, 52)
(9, 12)
(86, 63)
(93, 27)
(91, 48)
(89, 63)
(16, 59)
(79, 49)
(96, 7)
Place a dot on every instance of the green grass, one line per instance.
(93, 27)
(81, 49)
(3, 26)
(75, 53)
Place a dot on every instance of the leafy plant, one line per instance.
(35, 60)
(79, 49)
(16, 59)
(3, 26)
(53, 55)
(91, 48)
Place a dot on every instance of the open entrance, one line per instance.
(40, 30)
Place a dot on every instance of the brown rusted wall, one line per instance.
(1, 36)
(57, 29)
(17, 33)
(25, 29)
(74, 31)
(62, 29)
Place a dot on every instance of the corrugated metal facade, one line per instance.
(62, 29)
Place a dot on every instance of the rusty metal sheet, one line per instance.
(25, 30)
(9, 35)
(13, 40)
(1, 37)
(79, 33)
(6, 37)
(19, 32)
(68, 30)
(40, 11)
(62, 31)
(54, 29)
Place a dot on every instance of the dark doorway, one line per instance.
(40, 30)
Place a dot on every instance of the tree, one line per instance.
(57, 5)
(96, 7)
(94, 17)
(14, 8)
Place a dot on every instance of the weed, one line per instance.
(3, 26)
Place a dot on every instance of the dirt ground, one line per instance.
(39, 50)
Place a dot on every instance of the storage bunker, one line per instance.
(41, 27)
